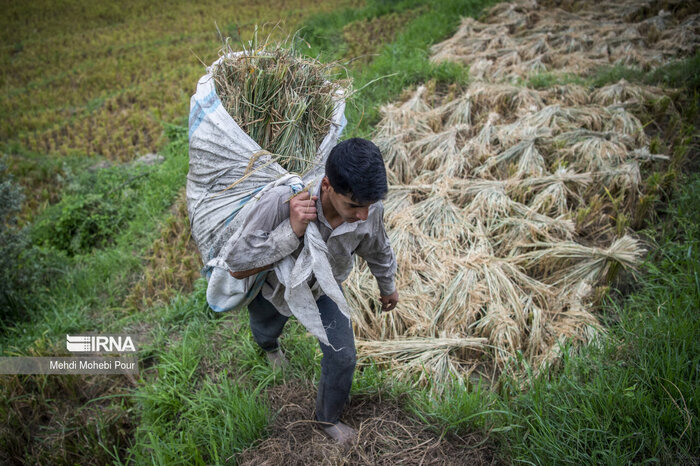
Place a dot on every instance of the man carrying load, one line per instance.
(346, 207)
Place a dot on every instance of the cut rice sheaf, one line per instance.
(500, 198)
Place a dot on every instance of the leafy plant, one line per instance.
(95, 207)
(22, 265)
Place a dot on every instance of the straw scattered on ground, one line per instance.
(387, 436)
(528, 37)
(172, 263)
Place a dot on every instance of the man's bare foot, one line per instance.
(277, 359)
(341, 433)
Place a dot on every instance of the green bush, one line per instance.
(12, 242)
(95, 206)
(23, 266)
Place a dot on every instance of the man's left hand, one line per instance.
(389, 302)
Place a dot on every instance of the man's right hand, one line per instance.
(302, 210)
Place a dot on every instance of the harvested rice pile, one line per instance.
(282, 100)
(508, 209)
(523, 38)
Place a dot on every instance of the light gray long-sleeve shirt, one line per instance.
(267, 237)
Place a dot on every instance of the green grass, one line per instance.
(684, 73)
(400, 64)
(96, 281)
(636, 398)
(192, 409)
(323, 32)
(459, 408)
(203, 401)
(679, 74)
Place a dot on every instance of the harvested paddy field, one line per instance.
(512, 209)
(113, 77)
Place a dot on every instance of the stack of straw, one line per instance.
(523, 38)
(500, 224)
(507, 212)
(281, 99)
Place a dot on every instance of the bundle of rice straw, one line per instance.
(528, 37)
(282, 100)
(500, 227)
(507, 205)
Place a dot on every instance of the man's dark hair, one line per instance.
(355, 167)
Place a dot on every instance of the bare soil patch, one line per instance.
(387, 435)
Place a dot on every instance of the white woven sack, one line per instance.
(222, 191)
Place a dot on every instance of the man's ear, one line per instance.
(325, 184)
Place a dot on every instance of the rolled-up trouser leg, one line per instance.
(337, 367)
(266, 323)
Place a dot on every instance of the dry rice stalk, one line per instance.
(529, 160)
(431, 354)
(561, 176)
(622, 92)
(459, 303)
(440, 219)
(400, 126)
(397, 200)
(595, 154)
(570, 95)
(552, 200)
(283, 101)
(538, 332)
(525, 38)
(502, 331)
(406, 117)
(490, 204)
(509, 235)
(440, 150)
(567, 263)
(462, 191)
(407, 240)
(578, 135)
(480, 147)
(457, 111)
(397, 157)
(500, 214)
(623, 122)
(503, 98)
(643, 154)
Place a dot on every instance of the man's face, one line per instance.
(348, 210)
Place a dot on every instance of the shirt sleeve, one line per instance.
(267, 235)
(376, 251)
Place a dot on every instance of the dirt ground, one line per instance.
(387, 436)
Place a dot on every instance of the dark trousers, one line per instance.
(337, 367)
